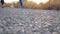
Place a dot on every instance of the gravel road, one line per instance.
(29, 21)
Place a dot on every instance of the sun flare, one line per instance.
(39, 1)
(36, 1)
(10, 1)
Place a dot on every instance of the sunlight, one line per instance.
(39, 1)
(36, 1)
(10, 1)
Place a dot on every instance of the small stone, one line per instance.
(19, 32)
(21, 24)
(1, 30)
(39, 26)
(23, 30)
(54, 33)
(48, 16)
(47, 23)
(0, 20)
(49, 33)
(58, 27)
(4, 21)
(32, 19)
(10, 27)
(46, 26)
(31, 25)
(8, 19)
(36, 22)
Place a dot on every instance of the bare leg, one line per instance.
(2, 5)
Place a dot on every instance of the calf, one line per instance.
(2, 3)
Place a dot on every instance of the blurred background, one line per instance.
(35, 4)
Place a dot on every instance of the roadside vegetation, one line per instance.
(50, 5)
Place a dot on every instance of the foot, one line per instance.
(2, 6)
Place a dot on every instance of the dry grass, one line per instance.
(30, 4)
(55, 3)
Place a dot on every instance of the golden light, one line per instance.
(10, 1)
(39, 1)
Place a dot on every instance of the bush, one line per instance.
(53, 7)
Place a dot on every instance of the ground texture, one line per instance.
(29, 21)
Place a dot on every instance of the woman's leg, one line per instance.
(21, 3)
(2, 3)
